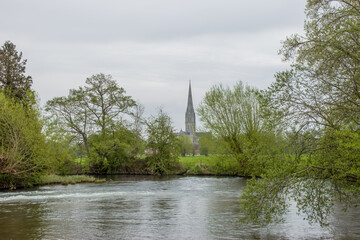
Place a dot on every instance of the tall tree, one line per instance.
(70, 114)
(319, 95)
(96, 107)
(163, 144)
(323, 86)
(22, 153)
(186, 145)
(234, 115)
(105, 100)
(208, 144)
(12, 72)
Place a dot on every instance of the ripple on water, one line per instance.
(150, 208)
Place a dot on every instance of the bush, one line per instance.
(22, 154)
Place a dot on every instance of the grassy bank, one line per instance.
(73, 179)
(212, 165)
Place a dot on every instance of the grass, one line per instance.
(73, 179)
(213, 165)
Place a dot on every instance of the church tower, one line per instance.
(190, 115)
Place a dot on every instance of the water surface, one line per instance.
(145, 207)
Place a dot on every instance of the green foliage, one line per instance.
(68, 116)
(186, 146)
(163, 144)
(322, 87)
(12, 74)
(318, 99)
(209, 144)
(22, 145)
(235, 116)
(105, 101)
(263, 202)
(113, 151)
(96, 107)
(213, 165)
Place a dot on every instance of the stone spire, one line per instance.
(190, 107)
(190, 115)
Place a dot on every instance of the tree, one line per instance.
(97, 107)
(12, 73)
(112, 152)
(235, 116)
(323, 86)
(319, 98)
(208, 144)
(186, 145)
(163, 144)
(70, 115)
(105, 101)
(22, 145)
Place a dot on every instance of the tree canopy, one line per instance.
(92, 116)
(12, 72)
(318, 99)
(163, 144)
(235, 116)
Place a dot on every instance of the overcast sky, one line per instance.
(151, 47)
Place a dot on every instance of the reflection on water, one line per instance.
(143, 207)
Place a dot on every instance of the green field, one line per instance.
(213, 165)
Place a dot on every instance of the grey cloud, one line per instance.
(108, 21)
(151, 47)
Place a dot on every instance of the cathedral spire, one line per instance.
(190, 115)
(190, 107)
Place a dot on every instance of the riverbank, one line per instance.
(65, 180)
(215, 165)
(218, 165)
(53, 179)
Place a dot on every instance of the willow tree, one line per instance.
(320, 95)
(235, 116)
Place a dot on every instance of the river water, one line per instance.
(145, 207)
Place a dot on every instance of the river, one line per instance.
(146, 207)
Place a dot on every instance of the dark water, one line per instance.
(150, 208)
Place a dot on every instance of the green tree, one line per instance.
(69, 114)
(22, 145)
(12, 73)
(186, 145)
(60, 148)
(163, 144)
(114, 151)
(234, 116)
(105, 101)
(96, 107)
(209, 144)
(319, 98)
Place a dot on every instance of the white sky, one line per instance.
(151, 47)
